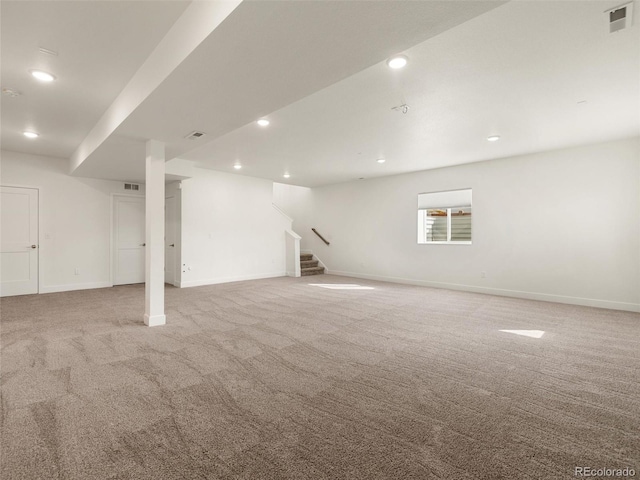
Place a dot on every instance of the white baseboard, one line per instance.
(155, 320)
(74, 286)
(236, 278)
(321, 264)
(545, 297)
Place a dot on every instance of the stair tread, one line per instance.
(312, 271)
(309, 266)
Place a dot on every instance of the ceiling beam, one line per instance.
(190, 30)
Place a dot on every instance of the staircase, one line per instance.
(309, 266)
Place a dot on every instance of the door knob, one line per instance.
(34, 246)
(143, 244)
(172, 245)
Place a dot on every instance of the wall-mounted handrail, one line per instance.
(321, 237)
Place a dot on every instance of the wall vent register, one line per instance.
(132, 186)
(619, 18)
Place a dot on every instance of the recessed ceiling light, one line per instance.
(30, 134)
(286, 175)
(381, 160)
(397, 61)
(263, 122)
(42, 76)
(493, 138)
(237, 166)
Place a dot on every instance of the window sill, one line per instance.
(445, 243)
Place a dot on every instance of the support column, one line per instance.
(154, 235)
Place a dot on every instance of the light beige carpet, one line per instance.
(278, 379)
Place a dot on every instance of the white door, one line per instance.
(18, 241)
(128, 240)
(170, 240)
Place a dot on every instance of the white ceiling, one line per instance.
(518, 71)
(100, 45)
(317, 71)
(269, 54)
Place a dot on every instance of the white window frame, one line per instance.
(422, 212)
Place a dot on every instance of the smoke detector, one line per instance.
(404, 108)
(195, 135)
(619, 18)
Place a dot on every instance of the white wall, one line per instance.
(561, 226)
(75, 220)
(230, 230)
(296, 203)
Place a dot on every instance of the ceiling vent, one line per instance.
(619, 18)
(195, 135)
(46, 51)
(131, 186)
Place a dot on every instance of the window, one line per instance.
(445, 217)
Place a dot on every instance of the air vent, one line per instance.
(46, 51)
(131, 186)
(619, 18)
(195, 135)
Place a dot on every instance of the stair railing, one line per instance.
(321, 237)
